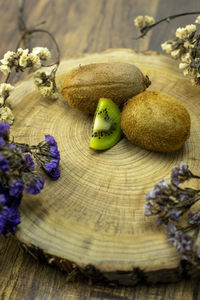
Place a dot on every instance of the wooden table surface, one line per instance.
(81, 27)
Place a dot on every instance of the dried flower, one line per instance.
(22, 59)
(5, 89)
(42, 52)
(6, 115)
(47, 156)
(4, 164)
(9, 219)
(29, 161)
(194, 218)
(180, 174)
(5, 69)
(185, 46)
(139, 22)
(142, 22)
(149, 20)
(46, 83)
(17, 174)
(4, 130)
(34, 60)
(197, 21)
(35, 186)
(170, 202)
(8, 57)
(185, 32)
(182, 241)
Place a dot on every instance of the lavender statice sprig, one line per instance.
(170, 202)
(46, 155)
(18, 174)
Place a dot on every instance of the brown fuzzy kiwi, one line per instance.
(85, 85)
(156, 121)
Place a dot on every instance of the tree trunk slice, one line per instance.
(92, 219)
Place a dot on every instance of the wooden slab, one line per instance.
(92, 218)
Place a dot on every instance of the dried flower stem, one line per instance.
(146, 29)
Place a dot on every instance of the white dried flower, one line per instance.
(190, 29)
(188, 45)
(197, 21)
(181, 33)
(7, 57)
(42, 52)
(46, 84)
(6, 87)
(139, 22)
(1, 101)
(37, 80)
(6, 115)
(186, 58)
(185, 32)
(183, 66)
(20, 51)
(35, 60)
(148, 21)
(176, 53)
(5, 69)
(167, 47)
(23, 59)
(186, 71)
(46, 91)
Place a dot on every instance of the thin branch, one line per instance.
(31, 31)
(21, 22)
(146, 29)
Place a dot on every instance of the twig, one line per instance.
(31, 31)
(21, 23)
(146, 29)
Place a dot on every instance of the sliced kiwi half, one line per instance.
(106, 130)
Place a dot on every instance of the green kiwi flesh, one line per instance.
(106, 129)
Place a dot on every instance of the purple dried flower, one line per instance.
(2, 199)
(194, 218)
(148, 207)
(182, 241)
(35, 186)
(183, 197)
(175, 214)
(180, 174)
(50, 140)
(4, 130)
(53, 147)
(2, 141)
(4, 164)
(12, 146)
(16, 188)
(29, 161)
(158, 190)
(9, 219)
(52, 168)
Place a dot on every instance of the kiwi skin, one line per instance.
(156, 121)
(85, 85)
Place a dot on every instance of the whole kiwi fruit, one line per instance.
(155, 121)
(85, 85)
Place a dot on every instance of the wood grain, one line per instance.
(93, 217)
(70, 23)
(30, 279)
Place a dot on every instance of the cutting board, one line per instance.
(92, 219)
